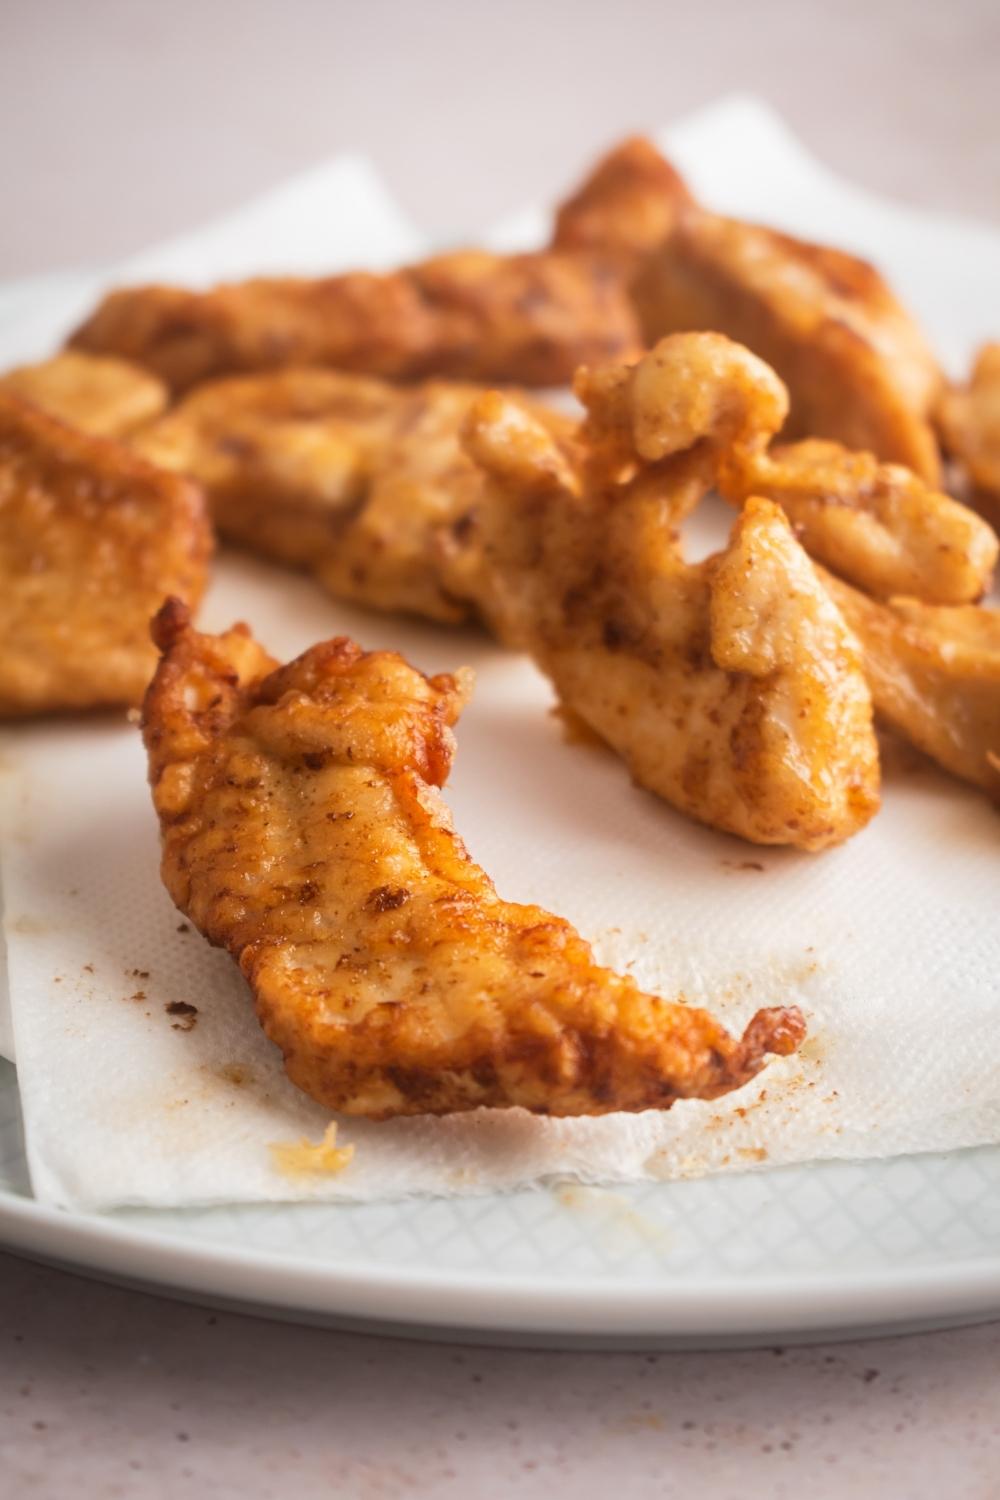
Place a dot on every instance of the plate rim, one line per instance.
(467, 1301)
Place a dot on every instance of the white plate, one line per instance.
(794, 1254)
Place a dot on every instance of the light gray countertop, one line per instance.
(124, 121)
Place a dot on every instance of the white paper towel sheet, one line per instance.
(889, 944)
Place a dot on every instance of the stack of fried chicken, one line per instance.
(376, 431)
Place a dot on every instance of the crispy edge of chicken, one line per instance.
(627, 206)
(362, 483)
(303, 830)
(92, 539)
(968, 418)
(858, 367)
(98, 394)
(732, 688)
(934, 673)
(876, 524)
(470, 315)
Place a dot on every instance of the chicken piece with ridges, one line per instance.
(303, 830)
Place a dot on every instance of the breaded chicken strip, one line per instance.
(627, 207)
(857, 366)
(969, 421)
(362, 483)
(99, 394)
(875, 524)
(934, 674)
(303, 831)
(92, 539)
(471, 315)
(732, 688)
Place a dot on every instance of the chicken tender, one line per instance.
(627, 207)
(732, 688)
(99, 394)
(875, 524)
(303, 830)
(92, 539)
(362, 483)
(858, 368)
(470, 315)
(934, 674)
(969, 421)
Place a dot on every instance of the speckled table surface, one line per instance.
(123, 121)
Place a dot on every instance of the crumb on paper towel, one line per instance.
(305, 1158)
(185, 1013)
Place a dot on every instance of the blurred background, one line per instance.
(123, 120)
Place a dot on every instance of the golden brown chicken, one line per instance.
(627, 207)
(857, 366)
(934, 674)
(303, 831)
(732, 688)
(92, 539)
(969, 421)
(875, 524)
(362, 483)
(471, 315)
(99, 394)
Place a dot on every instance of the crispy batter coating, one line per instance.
(876, 524)
(362, 483)
(304, 832)
(99, 394)
(934, 673)
(626, 207)
(731, 688)
(969, 420)
(92, 539)
(858, 368)
(470, 315)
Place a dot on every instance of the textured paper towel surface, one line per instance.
(889, 944)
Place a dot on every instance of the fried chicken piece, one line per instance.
(303, 831)
(732, 688)
(627, 207)
(858, 368)
(92, 539)
(470, 315)
(969, 421)
(876, 524)
(99, 394)
(934, 673)
(362, 483)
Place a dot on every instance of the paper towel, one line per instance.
(889, 944)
